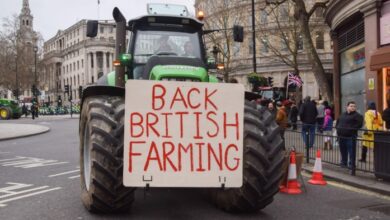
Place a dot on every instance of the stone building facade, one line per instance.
(267, 62)
(361, 39)
(71, 58)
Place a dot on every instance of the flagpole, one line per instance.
(288, 81)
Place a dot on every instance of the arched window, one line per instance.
(27, 22)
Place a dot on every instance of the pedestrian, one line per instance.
(347, 127)
(308, 114)
(293, 116)
(24, 109)
(281, 118)
(271, 108)
(320, 115)
(386, 115)
(327, 128)
(373, 122)
(33, 109)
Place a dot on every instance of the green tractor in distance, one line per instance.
(9, 109)
(157, 52)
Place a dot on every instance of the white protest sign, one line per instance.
(183, 134)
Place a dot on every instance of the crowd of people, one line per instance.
(318, 116)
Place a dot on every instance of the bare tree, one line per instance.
(223, 17)
(302, 17)
(279, 34)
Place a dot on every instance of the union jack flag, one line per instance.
(294, 80)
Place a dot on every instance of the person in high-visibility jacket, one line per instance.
(373, 122)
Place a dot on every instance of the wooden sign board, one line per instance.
(183, 134)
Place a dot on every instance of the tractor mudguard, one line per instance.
(96, 90)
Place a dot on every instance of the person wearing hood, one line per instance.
(327, 127)
(373, 121)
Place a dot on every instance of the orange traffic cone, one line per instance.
(292, 186)
(317, 178)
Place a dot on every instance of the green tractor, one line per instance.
(157, 52)
(9, 109)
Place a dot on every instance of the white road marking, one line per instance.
(11, 191)
(28, 162)
(16, 158)
(60, 174)
(74, 177)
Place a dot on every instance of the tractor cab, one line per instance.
(166, 44)
(166, 48)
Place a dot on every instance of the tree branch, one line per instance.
(316, 6)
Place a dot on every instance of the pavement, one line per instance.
(361, 180)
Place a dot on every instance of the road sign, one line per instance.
(183, 134)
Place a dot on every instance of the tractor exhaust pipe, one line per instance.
(120, 45)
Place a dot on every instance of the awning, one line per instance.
(380, 58)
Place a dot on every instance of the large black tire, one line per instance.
(101, 155)
(263, 160)
(5, 113)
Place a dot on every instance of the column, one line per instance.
(371, 41)
(95, 67)
(111, 60)
(104, 54)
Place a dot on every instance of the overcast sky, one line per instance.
(52, 15)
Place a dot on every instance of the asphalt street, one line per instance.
(39, 179)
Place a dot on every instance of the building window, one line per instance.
(91, 60)
(263, 18)
(264, 44)
(82, 63)
(92, 79)
(27, 22)
(300, 42)
(319, 13)
(78, 65)
(283, 43)
(101, 30)
(320, 40)
(108, 60)
(250, 46)
(283, 12)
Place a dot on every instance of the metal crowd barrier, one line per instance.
(377, 159)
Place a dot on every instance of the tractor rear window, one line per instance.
(165, 43)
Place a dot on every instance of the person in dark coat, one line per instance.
(347, 127)
(293, 116)
(308, 114)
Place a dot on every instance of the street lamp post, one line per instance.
(16, 79)
(254, 36)
(35, 74)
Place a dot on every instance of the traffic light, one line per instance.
(15, 92)
(271, 81)
(67, 89)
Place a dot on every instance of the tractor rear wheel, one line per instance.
(101, 155)
(263, 159)
(5, 113)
